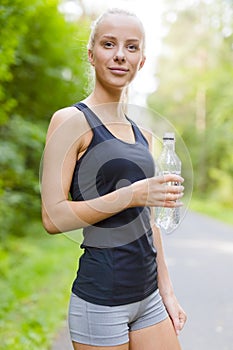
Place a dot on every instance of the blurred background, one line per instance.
(188, 78)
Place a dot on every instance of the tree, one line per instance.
(13, 26)
(196, 79)
(41, 70)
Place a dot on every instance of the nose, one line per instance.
(119, 56)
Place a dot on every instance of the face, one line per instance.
(117, 54)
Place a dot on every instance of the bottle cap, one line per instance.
(169, 136)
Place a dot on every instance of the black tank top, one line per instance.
(118, 265)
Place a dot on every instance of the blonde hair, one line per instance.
(113, 11)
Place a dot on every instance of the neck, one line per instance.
(110, 103)
(103, 95)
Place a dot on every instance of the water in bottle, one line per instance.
(168, 163)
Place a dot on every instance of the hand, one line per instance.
(156, 191)
(176, 313)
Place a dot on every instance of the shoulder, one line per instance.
(67, 114)
(67, 120)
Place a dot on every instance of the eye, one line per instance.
(132, 47)
(108, 44)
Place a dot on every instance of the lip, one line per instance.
(118, 70)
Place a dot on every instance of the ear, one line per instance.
(142, 62)
(91, 57)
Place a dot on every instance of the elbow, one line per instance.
(48, 224)
(55, 221)
(49, 227)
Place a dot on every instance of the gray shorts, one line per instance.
(100, 325)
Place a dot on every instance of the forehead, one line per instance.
(120, 26)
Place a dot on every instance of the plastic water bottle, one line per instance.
(168, 163)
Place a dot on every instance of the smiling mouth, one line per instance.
(119, 69)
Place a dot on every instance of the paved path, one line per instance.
(200, 260)
(62, 340)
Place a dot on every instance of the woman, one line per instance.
(122, 297)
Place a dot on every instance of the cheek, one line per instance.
(137, 63)
(102, 56)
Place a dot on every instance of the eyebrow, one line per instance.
(112, 37)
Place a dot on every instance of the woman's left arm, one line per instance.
(166, 290)
(165, 286)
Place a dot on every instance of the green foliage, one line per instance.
(212, 208)
(21, 148)
(49, 68)
(35, 283)
(13, 18)
(196, 82)
(42, 68)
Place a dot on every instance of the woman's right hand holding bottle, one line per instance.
(158, 191)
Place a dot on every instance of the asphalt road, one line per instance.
(200, 260)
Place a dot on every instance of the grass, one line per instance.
(212, 209)
(37, 272)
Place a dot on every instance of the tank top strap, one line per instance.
(138, 134)
(99, 128)
(91, 117)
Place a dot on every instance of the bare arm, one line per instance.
(175, 311)
(67, 136)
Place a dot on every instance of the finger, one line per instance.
(172, 204)
(183, 319)
(169, 203)
(176, 324)
(179, 322)
(170, 178)
(173, 196)
(173, 189)
(169, 197)
(182, 323)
